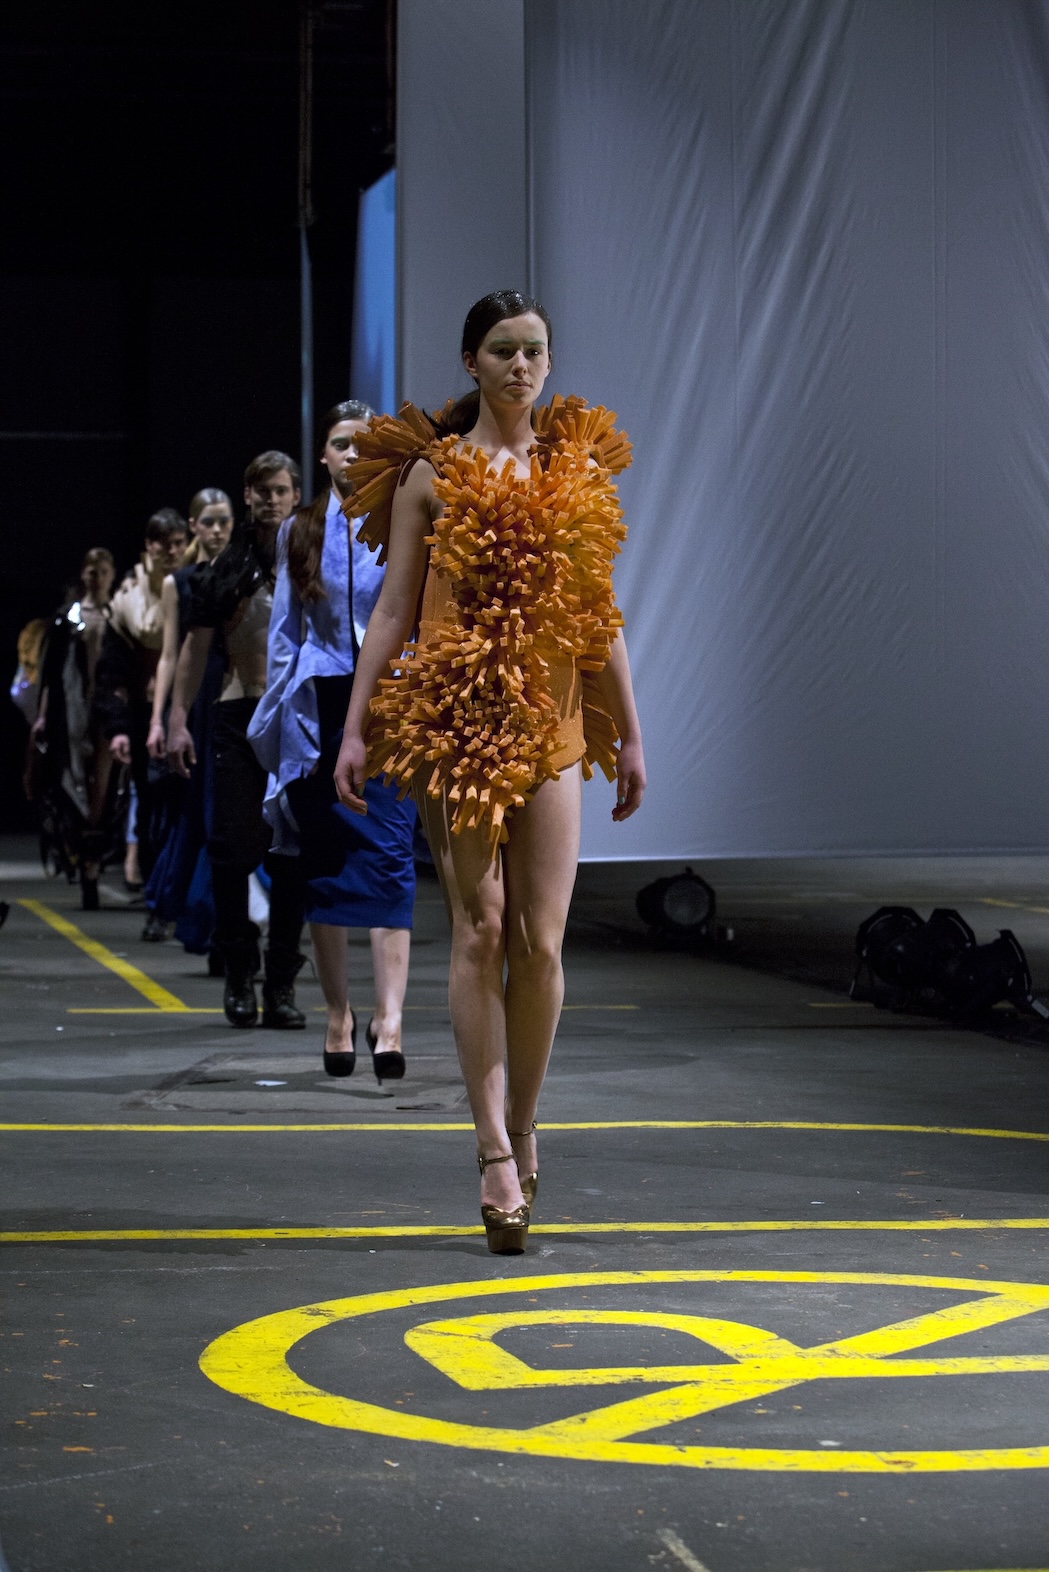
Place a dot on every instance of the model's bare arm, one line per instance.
(155, 742)
(617, 691)
(390, 623)
(189, 674)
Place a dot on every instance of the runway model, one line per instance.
(179, 888)
(70, 770)
(359, 871)
(232, 598)
(501, 523)
(124, 681)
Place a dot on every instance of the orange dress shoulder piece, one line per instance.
(496, 693)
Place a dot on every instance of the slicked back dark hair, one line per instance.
(306, 535)
(480, 320)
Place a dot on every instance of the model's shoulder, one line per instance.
(389, 452)
(572, 422)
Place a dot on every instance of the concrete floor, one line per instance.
(720, 1195)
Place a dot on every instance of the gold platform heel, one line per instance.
(529, 1182)
(506, 1232)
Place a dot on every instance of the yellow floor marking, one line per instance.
(315, 1009)
(566, 1124)
(456, 1230)
(1015, 906)
(251, 1362)
(141, 1009)
(159, 997)
(464, 1350)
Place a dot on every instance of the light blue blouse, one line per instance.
(306, 641)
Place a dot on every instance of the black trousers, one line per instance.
(240, 839)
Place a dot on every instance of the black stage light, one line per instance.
(891, 945)
(981, 975)
(939, 964)
(680, 908)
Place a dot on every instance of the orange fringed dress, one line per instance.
(493, 697)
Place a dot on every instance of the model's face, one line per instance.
(97, 581)
(212, 528)
(340, 450)
(512, 362)
(270, 501)
(164, 556)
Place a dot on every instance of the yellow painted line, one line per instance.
(593, 1124)
(1015, 906)
(316, 1009)
(457, 1230)
(159, 997)
(251, 1361)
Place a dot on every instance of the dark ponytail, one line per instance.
(306, 535)
(457, 418)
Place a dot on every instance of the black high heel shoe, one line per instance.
(342, 1063)
(388, 1065)
(529, 1182)
(506, 1232)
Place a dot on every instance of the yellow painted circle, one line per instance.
(251, 1361)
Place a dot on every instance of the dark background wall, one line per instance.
(149, 266)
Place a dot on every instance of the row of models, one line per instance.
(145, 700)
(283, 609)
(87, 765)
(477, 665)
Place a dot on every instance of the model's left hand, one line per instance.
(631, 781)
(120, 748)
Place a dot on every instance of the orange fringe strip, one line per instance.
(530, 565)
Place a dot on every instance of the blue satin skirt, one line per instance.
(359, 870)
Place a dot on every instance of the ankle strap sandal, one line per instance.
(506, 1232)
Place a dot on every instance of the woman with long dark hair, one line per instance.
(359, 873)
(501, 523)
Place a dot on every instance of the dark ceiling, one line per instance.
(149, 262)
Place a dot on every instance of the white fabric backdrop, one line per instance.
(801, 248)
(461, 178)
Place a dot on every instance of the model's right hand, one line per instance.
(351, 768)
(156, 742)
(182, 755)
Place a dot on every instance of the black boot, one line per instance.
(278, 991)
(155, 931)
(238, 1001)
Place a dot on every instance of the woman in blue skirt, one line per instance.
(359, 871)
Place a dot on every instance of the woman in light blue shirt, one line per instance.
(359, 870)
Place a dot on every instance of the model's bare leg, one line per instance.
(391, 948)
(97, 789)
(102, 769)
(472, 880)
(539, 867)
(329, 953)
